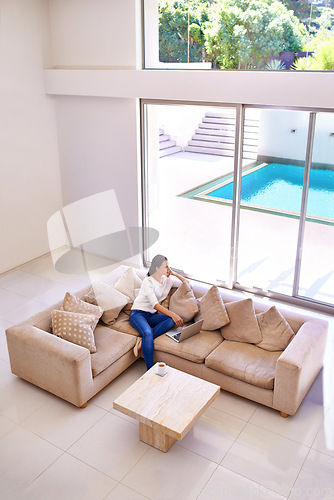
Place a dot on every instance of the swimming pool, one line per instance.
(277, 188)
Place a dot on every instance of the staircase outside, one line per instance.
(166, 145)
(215, 136)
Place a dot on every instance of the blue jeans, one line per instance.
(150, 326)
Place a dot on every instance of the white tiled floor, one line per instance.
(50, 449)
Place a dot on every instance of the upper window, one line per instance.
(240, 34)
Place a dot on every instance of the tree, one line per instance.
(173, 30)
(245, 33)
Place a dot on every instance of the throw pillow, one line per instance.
(212, 310)
(128, 283)
(276, 331)
(184, 303)
(243, 326)
(74, 304)
(111, 300)
(75, 327)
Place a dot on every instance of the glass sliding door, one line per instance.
(188, 149)
(271, 194)
(316, 279)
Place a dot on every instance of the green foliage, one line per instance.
(243, 33)
(303, 64)
(173, 30)
(322, 48)
(275, 65)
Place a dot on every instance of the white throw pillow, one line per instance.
(111, 300)
(128, 284)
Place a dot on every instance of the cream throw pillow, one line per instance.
(276, 331)
(243, 326)
(212, 310)
(74, 304)
(184, 303)
(128, 284)
(111, 300)
(74, 327)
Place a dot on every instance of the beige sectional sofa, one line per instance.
(278, 379)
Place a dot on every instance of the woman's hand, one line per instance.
(173, 273)
(177, 319)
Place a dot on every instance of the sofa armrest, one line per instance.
(298, 365)
(54, 364)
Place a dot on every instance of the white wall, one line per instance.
(98, 150)
(95, 33)
(277, 139)
(30, 183)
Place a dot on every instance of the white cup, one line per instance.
(162, 368)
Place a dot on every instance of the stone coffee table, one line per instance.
(166, 407)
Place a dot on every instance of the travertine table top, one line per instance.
(170, 404)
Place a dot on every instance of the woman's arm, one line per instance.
(175, 317)
(173, 273)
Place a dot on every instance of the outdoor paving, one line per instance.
(196, 235)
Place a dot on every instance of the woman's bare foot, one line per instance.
(137, 347)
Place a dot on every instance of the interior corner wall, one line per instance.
(98, 150)
(30, 182)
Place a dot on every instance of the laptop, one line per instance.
(181, 333)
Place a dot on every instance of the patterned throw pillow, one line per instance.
(212, 310)
(276, 331)
(184, 303)
(74, 304)
(109, 299)
(75, 327)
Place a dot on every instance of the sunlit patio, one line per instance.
(196, 235)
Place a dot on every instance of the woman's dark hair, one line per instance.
(156, 262)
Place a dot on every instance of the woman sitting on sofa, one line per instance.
(143, 317)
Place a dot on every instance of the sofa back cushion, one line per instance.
(243, 326)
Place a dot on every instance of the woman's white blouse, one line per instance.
(152, 292)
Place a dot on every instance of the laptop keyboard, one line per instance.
(177, 336)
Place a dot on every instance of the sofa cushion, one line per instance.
(244, 362)
(122, 324)
(184, 303)
(212, 310)
(74, 327)
(276, 331)
(72, 303)
(110, 346)
(111, 300)
(129, 284)
(195, 349)
(243, 326)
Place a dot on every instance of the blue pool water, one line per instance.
(279, 187)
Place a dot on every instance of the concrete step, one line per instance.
(226, 134)
(227, 128)
(223, 139)
(161, 131)
(169, 151)
(213, 138)
(231, 115)
(219, 145)
(166, 144)
(164, 137)
(218, 152)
